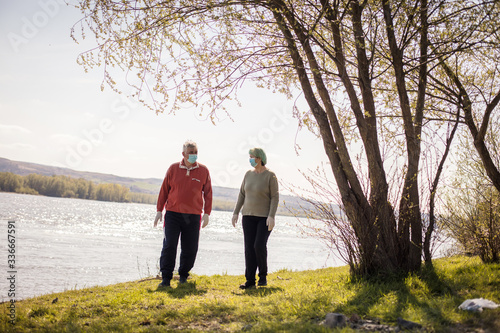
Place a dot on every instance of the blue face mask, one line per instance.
(192, 158)
(252, 162)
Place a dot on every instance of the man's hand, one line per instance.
(205, 220)
(234, 220)
(270, 223)
(157, 218)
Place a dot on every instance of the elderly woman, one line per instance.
(258, 202)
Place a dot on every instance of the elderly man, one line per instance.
(185, 194)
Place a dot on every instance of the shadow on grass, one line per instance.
(398, 297)
(258, 292)
(435, 284)
(181, 290)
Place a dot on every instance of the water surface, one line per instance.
(66, 244)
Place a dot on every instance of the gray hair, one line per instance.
(189, 144)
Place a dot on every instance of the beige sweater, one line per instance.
(258, 194)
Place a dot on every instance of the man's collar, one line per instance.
(183, 166)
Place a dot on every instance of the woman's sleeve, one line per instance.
(241, 198)
(275, 196)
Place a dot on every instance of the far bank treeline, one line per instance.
(67, 187)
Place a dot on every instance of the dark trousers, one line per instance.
(187, 226)
(255, 236)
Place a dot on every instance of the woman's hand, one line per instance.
(270, 223)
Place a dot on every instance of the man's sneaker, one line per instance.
(262, 282)
(248, 285)
(164, 284)
(182, 279)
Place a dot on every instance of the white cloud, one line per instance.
(13, 129)
(18, 146)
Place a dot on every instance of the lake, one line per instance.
(63, 244)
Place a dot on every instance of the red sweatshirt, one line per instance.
(186, 190)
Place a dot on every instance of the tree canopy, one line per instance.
(388, 76)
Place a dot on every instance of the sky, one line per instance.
(53, 113)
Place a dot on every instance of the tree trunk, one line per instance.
(373, 220)
(435, 183)
(410, 221)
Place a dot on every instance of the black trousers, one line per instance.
(187, 227)
(255, 235)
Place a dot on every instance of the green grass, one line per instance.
(292, 302)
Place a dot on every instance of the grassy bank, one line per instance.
(292, 302)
